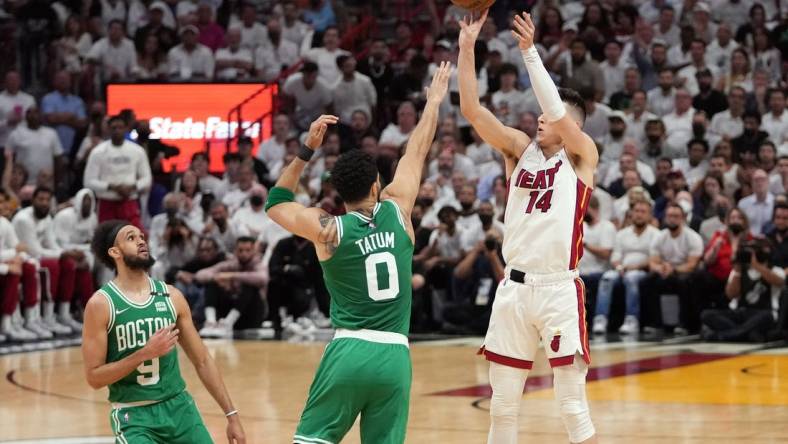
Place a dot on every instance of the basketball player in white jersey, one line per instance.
(541, 295)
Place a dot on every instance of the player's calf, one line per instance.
(507, 384)
(570, 391)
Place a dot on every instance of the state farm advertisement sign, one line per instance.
(195, 116)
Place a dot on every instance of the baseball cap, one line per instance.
(570, 26)
(617, 115)
(188, 28)
(443, 43)
(702, 7)
(158, 5)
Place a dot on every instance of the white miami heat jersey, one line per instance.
(544, 214)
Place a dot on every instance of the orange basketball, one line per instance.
(474, 5)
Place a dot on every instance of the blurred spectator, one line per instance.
(695, 166)
(751, 138)
(758, 206)
(208, 182)
(675, 253)
(598, 237)
(353, 91)
(701, 22)
(190, 59)
(68, 271)
(580, 71)
(16, 267)
(767, 158)
(665, 27)
(157, 152)
(232, 173)
(234, 291)
(596, 125)
(398, 133)
(35, 147)
(307, 96)
(152, 62)
(118, 172)
(115, 54)
(778, 180)
(630, 262)
(156, 26)
(753, 288)
(235, 198)
(626, 162)
(409, 85)
(220, 228)
(210, 33)
(326, 56)
(37, 24)
(739, 74)
(270, 59)
(706, 194)
(377, 67)
(250, 220)
(77, 223)
(764, 55)
(638, 117)
(296, 280)
(508, 103)
(709, 100)
(73, 46)
(651, 67)
(293, 29)
(234, 62)
(613, 141)
(468, 219)
(64, 111)
(678, 123)
(719, 258)
(621, 98)
(720, 50)
(253, 33)
(778, 235)
(320, 14)
(687, 75)
(208, 255)
(273, 149)
(613, 69)
(775, 122)
(112, 10)
(178, 246)
(661, 99)
(14, 104)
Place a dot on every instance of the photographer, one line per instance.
(753, 288)
(178, 246)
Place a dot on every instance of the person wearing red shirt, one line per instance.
(719, 256)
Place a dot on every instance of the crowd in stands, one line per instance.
(687, 225)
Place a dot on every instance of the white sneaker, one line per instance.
(307, 325)
(34, 325)
(680, 331)
(20, 334)
(55, 327)
(208, 330)
(70, 322)
(320, 320)
(224, 329)
(631, 326)
(600, 324)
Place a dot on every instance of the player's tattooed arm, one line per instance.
(328, 233)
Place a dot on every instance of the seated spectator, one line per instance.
(508, 102)
(270, 59)
(695, 166)
(219, 227)
(722, 205)
(428, 194)
(352, 91)
(77, 223)
(233, 62)
(719, 257)
(468, 218)
(296, 281)
(622, 99)
(235, 198)
(754, 288)
(767, 158)
(234, 291)
(632, 190)
(630, 261)
(208, 255)
(687, 76)
(751, 138)
(253, 33)
(661, 183)
(758, 206)
(64, 111)
(208, 182)
(778, 235)
(210, 33)
(190, 59)
(177, 245)
(598, 238)
(326, 56)
(627, 161)
(293, 29)
(661, 99)
(273, 149)
(245, 144)
(14, 104)
(394, 135)
(580, 71)
(706, 194)
(678, 123)
(67, 269)
(156, 26)
(674, 255)
(613, 142)
(115, 54)
(448, 162)
(775, 122)
(306, 96)
(729, 123)
(152, 62)
(708, 99)
(250, 219)
(613, 69)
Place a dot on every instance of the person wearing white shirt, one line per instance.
(650, 10)
(450, 161)
(665, 28)
(613, 68)
(597, 124)
(678, 124)
(508, 103)
(687, 74)
(233, 62)
(293, 29)
(759, 205)
(396, 134)
(279, 54)
(661, 100)
(115, 54)
(253, 33)
(190, 59)
(273, 149)
(251, 219)
(729, 123)
(598, 236)
(353, 91)
(77, 223)
(628, 161)
(307, 94)
(14, 103)
(118, 171)
(695, 166)
(36, 147)
(720, 50)
(235, 198)
(629, 259)
(112, 10)
(775, 122)
(637, 117)
(613, 142)
(326, 56)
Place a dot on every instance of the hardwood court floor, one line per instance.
(639, 393)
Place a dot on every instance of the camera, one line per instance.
(490, 243)
(747, 249)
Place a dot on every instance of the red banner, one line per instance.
(194, 117)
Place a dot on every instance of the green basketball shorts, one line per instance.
(355, 377)
(174, 421)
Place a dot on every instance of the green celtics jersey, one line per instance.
(369, 274)
(130, 326)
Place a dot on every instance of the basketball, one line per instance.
(474, 5)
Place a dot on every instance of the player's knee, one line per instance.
(505, 404)
(507, 384)
(570, 392)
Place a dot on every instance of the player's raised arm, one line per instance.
(405, 186)
(205, 366)
(306, 222)
(508, 141)
(577, 143)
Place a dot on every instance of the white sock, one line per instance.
(31, 313)
(49, 310)
(210, 315)
(64, 310)
(232, 316)
(5, 323)
(507, 383)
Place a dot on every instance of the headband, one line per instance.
(113, 234)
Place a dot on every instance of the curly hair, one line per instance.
(353, 175)
(104, 239)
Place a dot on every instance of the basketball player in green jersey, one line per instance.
(366, 256)
(128, 343)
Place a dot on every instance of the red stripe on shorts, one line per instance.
(581, 318)
(506, 360)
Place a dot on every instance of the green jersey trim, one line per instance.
(365, 218)
(111, 322)
(340, 229)
(399, 213)
(129, 301)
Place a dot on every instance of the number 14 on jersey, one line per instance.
(539, 199)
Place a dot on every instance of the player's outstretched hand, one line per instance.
(235, 431)
(161, 342)
(523, 30)
(470, 29)
(440, 83)
(318, 129)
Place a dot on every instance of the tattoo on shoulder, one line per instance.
(328, 234)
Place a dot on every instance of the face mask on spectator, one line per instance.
(256, 200)
(466, 206)
(171, 212)
(486, 219)
(426, 201)
(736, 229)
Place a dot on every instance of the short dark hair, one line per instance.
(698, 142)
(309, 67)
(104, 239)
(508, 68)
(751, 115)
(444, 211)
(674, 205)
(231, 157)
(245, 240)
(665, 159)
(341, 59)
(115, 21)
(42, 189)
(615, 42)
(353, 175)
(116, 118)
(199, 154)
(573, 99)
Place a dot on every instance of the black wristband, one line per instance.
(305, 154)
